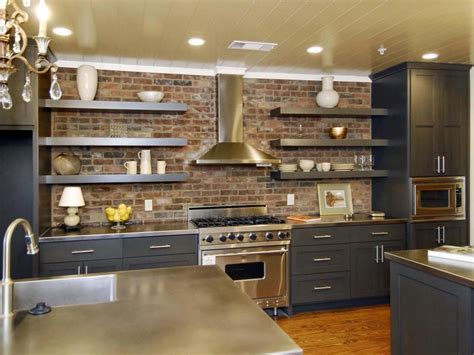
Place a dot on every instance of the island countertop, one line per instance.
(185, 310)
(457, 271)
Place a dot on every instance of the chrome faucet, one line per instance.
(7, 283)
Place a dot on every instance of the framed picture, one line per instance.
(335, 199)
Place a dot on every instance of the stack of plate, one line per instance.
(343, 167)
(288, 168)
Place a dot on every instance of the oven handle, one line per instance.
(253, 253)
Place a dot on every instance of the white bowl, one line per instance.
(306, 165)
(150, 96)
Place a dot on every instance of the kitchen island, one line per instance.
(432, 302)
(185, 310)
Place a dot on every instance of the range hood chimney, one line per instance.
(231, 148)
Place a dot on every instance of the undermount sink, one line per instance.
(63, 291)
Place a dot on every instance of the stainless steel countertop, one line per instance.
(358, 219)
(457, 271)
(157, 229)
(185, 310)
(135, 230)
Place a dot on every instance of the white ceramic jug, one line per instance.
(145, 161)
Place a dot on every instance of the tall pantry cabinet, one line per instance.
(428, 131)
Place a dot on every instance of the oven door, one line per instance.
(260, 272)
(438, 200)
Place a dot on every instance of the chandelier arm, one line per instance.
(50, 66)
(24, 41)
(19, 15)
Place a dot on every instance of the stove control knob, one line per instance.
(282, 235)
(231, 236)
(222, 238)
(252, 236)
(269, 235)
(240, 236)
(209, 238)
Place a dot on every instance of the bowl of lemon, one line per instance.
(118, 216)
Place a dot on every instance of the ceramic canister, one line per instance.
(87, 82)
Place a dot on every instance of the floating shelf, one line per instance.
(113, 105)
(283, 142)
(110, 142)
(299, 175)
(110, 179)
(334, 112)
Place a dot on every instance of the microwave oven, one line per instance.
(439, 198)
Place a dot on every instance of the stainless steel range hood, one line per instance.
(231, 148)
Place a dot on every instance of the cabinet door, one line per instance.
(455, 233)
(96, 266)
(61, 269)
(384, 269)
(424, 113)
(425, 235)
(153, 262)
(364, 267)
(453, 120)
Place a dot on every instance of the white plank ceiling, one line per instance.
(155, 32)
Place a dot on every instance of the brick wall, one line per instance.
(206, 184)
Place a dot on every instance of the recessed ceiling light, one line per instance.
(196, 41)
(314, 49)
(429, 56)
(62, 31)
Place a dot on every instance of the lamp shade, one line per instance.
(72, 197)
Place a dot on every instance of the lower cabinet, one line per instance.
(353, 267)
(433, 234)
(370, 271)
(96, 256)
(153, 262)
(80, 268)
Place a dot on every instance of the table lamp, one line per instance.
(72, 199)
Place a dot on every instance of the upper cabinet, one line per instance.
(438, 121)
(428, 106)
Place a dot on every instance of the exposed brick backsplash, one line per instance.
(207, 185)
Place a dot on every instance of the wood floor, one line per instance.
(364, 330)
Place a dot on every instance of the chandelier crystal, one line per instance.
(13, 44)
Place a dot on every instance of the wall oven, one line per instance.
(438, 198)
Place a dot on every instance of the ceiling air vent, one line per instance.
(252, 46)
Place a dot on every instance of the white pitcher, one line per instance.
(145, 161)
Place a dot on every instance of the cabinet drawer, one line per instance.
(320, 258)
(80, 250)
(378, 232)
(320, 287)
(319, 236)
(166, 245)
(153, 262)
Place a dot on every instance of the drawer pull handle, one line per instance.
(160, 246)
(317, 260)
(379, 233)
(322, 236)
(87, 251)
(321, 288)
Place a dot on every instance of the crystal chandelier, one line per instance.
(13, 43)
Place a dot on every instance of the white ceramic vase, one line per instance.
(87, 82)
(327, 97)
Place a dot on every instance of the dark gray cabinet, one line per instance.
(342, 263)
(439, 117)
(95, 256)
(433, 234)
(370, 272)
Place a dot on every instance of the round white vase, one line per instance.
(327, 97)
(87, 82)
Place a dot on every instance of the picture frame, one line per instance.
(335, 199)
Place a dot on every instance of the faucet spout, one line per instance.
(32, 247)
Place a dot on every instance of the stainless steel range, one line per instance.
(250, 246)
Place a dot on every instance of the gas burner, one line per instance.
(208, 222)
